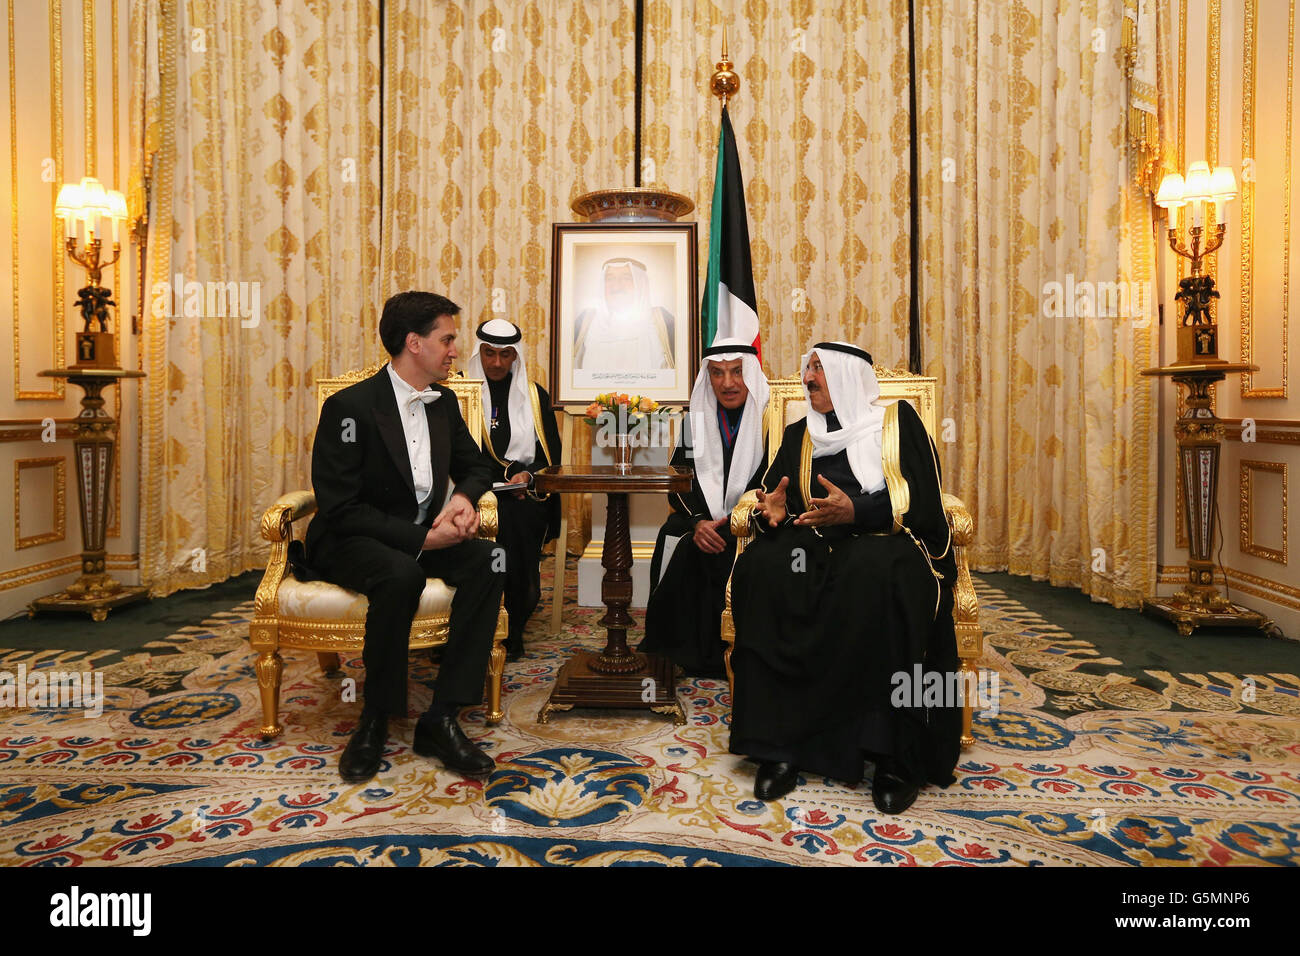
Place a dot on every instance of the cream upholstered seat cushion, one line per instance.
(321, 601)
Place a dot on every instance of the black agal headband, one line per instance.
(498, 339)
(729, 349)
(846, 349)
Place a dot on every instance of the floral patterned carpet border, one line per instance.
(173, 772)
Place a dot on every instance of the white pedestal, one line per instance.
(646, 513)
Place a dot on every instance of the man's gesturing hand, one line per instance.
(835, 508)
(771, 504)
(707, 538)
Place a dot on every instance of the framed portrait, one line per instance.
(624, 311)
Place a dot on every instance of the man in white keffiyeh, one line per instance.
(520, 437)
(695, 549)
(848, 585)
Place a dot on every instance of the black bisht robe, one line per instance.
(525, 524)
(824, 622)
(683, 620)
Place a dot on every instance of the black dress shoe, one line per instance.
(362, 756)
(442, 737)
(892, 793)
(774, 780)
(514, 649)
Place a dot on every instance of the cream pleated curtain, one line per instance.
(265, 120)
(821, 123)
(1024, 181)
(498, 114)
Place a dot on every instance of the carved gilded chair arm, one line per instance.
(741, 516)
(742, 530)
(960, 520)
(487, 516)
(965, 611)
(277, 527)
(277, 522)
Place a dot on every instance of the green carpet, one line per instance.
(1141, 641)
(130, 627)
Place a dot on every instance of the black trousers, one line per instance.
(392, 582)
(683, 620)
(522, 532)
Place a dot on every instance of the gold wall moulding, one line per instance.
(632, 204)
(35, 573)
(1263, 436)
(1233, 573)
(1265, 588)
(1250, 61)
(1248, 545)
(32, 429)
(58, 501)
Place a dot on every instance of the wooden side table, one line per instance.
(617, 676)
(95, 592)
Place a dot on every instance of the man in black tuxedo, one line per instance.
(385, 448)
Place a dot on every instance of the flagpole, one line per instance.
(730, 305)
(725, 82)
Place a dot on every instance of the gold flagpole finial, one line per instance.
(725, 83)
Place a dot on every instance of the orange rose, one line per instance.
(646, 405)
(593, 410)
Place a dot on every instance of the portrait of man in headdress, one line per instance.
(626, 331)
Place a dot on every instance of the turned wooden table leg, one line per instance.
(616, 592)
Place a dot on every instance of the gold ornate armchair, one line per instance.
(786, 406)
(325, 618)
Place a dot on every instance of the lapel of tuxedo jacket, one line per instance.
(389, 424)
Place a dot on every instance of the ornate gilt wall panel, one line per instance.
(57, 481)
(1256, 513)
(1268, 64)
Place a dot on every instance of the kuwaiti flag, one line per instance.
(730, 308)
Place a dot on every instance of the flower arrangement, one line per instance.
(632, 409)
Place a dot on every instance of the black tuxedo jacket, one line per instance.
(361, 472)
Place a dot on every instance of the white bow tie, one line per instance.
(428, 397)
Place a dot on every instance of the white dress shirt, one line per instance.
(415, 425)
